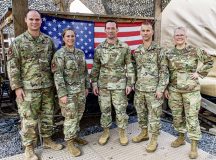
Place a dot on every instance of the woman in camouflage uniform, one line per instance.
(72, 83)
(184, 88)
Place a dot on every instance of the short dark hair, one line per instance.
(30, 10)
(147, 23)
(112, 21)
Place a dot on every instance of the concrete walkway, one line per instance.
(114, 151)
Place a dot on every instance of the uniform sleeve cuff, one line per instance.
(94, 84)
(62, 93)
(16, 86)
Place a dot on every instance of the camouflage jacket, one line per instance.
(70, 71)
(182, 63)
(112, 68)
(151, 71)
(29, 61)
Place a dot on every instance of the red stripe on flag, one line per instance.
(132, 37)
(89, 66)
(136, 42)
(96, 44)
(135, 24)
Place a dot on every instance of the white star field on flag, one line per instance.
(84, 33)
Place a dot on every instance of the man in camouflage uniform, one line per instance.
(29, 71)
(151, 81)
(112, 77)
(184, 89)
(72, 83)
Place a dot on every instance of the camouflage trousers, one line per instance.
(185, 108)
(73, 112)
(36, 109)
(119, 100)
(148, 109)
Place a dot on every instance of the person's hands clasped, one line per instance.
(166, 94)
(96, 91)
(158, 95)
(128, 90)
(63, 100)
(86, 92)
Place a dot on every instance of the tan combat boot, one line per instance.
(49, 143)
(29, 153)
(80, 141)
(152, 146)
(143, 136)
(193, 153)
(122, 137)
(104, 137)
(179, 141)
(72, 149)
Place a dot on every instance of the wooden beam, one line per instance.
(6, 22)
(19, 9)
(63, 5)
(94, 17)
(7, 13)
(107, 9)
(157, 15)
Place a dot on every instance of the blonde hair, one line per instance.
(180, 28)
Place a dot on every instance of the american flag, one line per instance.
(89, 34)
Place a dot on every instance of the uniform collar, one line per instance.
(38, 39)
(186, 49)
(105, 44)
(152, 46)
(72, 50)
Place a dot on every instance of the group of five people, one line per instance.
(152, 72)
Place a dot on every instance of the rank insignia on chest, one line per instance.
(10, 52)
(137, 53)
(45, 41)
(53, 67)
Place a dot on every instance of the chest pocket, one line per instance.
(139, 58)
(118, 56)
(175, 63)
(146, 58)
(26, 51)
(104, 56)
(43, 52)
(71, 62)
(191, 61)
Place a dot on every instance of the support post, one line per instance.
(3, 57)
(19, 10)
(157, 16)
(64, 6)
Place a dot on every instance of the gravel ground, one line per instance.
(10, 141)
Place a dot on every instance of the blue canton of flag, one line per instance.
(84, 30)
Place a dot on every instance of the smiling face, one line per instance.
(180, 37)
(69, 38)
(146, 32)
(33, 21)
(111, 30)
